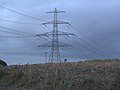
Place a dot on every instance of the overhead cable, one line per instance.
(14, 30)
(19, 22)
(19, 13)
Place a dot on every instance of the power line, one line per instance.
(72, 52)
(15, 36)
(9, 32)
(19, 22)
(19, 13)
(94, 41)
(91, 49)
(90, 45)
(14, 30)
(19, 48)
(94, 51)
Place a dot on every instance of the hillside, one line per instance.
(88, 75)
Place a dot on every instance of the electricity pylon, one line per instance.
(55, 44)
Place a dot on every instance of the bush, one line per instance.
(2, 63)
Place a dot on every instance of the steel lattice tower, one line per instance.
(55, 44)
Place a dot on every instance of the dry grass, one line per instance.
(88, 75)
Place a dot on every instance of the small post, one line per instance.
(65, 60)
(46, 57)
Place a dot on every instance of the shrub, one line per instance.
(2, 63)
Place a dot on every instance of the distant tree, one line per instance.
(2, 63)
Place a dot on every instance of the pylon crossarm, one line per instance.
(56, 11)
(44, 34)
(64, 44)
(47, 34)
(50, 22)
(49, 44)
(65, 33)
(61, 22)
(58, 22)
(45, 45)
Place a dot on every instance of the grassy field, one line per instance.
(87, 75)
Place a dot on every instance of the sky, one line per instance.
(94, 22)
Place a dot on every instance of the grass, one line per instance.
(88, 75)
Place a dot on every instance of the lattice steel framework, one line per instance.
(55, 44)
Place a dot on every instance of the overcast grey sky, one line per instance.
(95, 22)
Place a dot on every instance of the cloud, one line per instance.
(97, 19)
